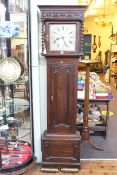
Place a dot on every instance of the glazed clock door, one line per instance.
(62, 95)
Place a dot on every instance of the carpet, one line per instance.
(109, 144)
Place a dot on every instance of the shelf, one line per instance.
(21, 80)
(19, 38)
(14, 38)
(16, 105)
(97, 128)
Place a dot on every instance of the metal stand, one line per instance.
(85, 132)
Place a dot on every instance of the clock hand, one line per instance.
(56, 40)
(64, 40)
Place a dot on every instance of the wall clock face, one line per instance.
(62, 37)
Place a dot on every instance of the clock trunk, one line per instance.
(61, 143)
(62, 95)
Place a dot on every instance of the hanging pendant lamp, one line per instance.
(103, 21)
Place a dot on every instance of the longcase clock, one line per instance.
(62, 42)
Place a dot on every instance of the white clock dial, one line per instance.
(62, 37)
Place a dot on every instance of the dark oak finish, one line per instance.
(61, 142)
(78, 36)
(62, 14)
(61, 150)
(62, 95)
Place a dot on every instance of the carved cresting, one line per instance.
(62, 13)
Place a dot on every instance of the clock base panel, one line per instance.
(61, 151)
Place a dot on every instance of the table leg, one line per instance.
(85, 132)
(107, 116)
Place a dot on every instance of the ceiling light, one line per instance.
(113, 36)
(103, 21)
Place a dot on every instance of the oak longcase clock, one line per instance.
(62, 42)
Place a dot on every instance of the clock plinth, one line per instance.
(61, 142)
(60, 150)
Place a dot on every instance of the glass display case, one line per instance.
(16, 148)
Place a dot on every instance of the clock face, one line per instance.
(62, 37)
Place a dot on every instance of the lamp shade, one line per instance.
(103, 21)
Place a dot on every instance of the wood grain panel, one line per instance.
(62, 95)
